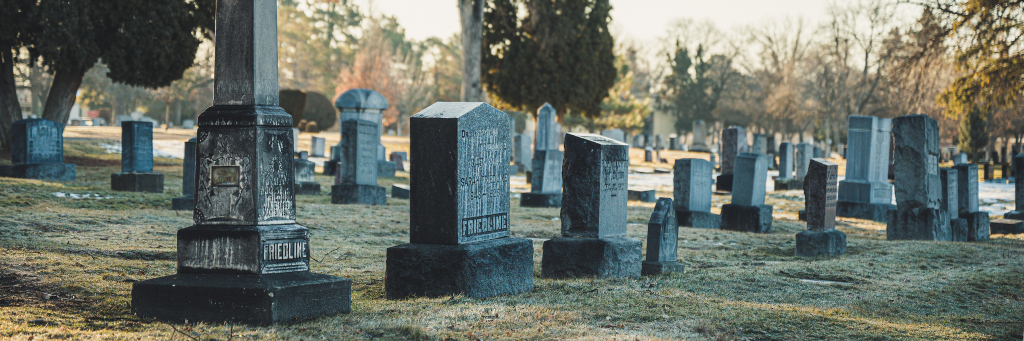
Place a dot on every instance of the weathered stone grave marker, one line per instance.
(978, 224)
(305, 182)
(662, 239)
(523, 154)
(918, 214)
(782, 182)
(691, 188)
(397, 159)
(734, 142)
(357, 175)
(137, 160)
(317, 146)
(820, 194)
(950, 193)
(747, 211)
(700, 133)
(37, 151)
(188, 179)
(866, 192)
(547, 129)
(615, 134)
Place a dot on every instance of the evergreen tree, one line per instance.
(974, 133)
(694, 96)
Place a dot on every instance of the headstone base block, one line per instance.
(829, 243)
(482, 269)
(724, 183)
(249, 299)
(873, 212)
(788, 185)
(307, 188)
(1015, 215)
(358, 194)
(399, 192)
(642, 195)
(42, 171)
(698, 219)
(918, 224)
(648, 268)
(757, 219)
(1007, 226)
(540, 200)
(978, 226)
(183, 204)
(592, 257)
(137, 182)
(958, 229)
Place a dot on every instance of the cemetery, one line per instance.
(487, 219)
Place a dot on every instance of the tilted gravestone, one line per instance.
(523, 153)
(691, 188)
(700, 133)
(37, 151)
(978, 224)
(918, 215)
(188, 179)
(786, 162)
(137, 160)
(866, 192)
(593, 216)
(734, 142)
(305, 182)
(357, 175)
(245, 260)
(459, 229)
(317, 146)
(546, 182)
(747, 211)
(949, 201)
(820, 194)
(662, 239)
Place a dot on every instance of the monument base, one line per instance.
(829, 243)
(399, 192)
(958, 229)
(724, 183)
(788, 184)
(540, 200)
(249, 299)
(1016, 215)
(42, 171)
(512, 170)
(698, 219)
(592, 257)
(977, 226)
(703, 148)
(1007, 226)
(482, 269)
(307, 188)
(137, 182)
(873, 212)
(183, 204)
(331, 167)
(385, 169)
(358, 194)
(757, 219)
(918, 224)
(648, 268)
(642, 195)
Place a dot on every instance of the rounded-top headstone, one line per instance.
(361, 100)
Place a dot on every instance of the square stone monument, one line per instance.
(691, 188)
(460, 241)
(357, 171)
(950, 203)
(747, 211)
(662, 239)
(245, 260)
(918, 215)
(594, 242)
(137, 160)
(820, 193)
(734, 142)
(305, 183)
(188, 179)
(37, 151)
(978, 224)
(866, 192)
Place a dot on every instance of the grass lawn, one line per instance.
(67, 266)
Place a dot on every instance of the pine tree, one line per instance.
(973, 133)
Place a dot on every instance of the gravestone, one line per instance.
(1018, 186)
(1005, 171)
(399, 191)
(648, 154)
(950, 193)
(305, 182)
(593, 216)
(960, 159)
(1007, 226)
(747, 211)
(820, 194)
(459, 231)
(366, 105)
(295, 142)
(188, 124)
(691, 189)
(804, 154)
(659, 142)
(615, 134)
(386, 169)
(918, 215)
(37, 151)
(760, 145)
(642, 194)
(978, 224)
(245, 260)
(662, 239)
(673, 142)
(331, 166)
(638, 141)
(771, 144)
(546, 180)
(188, 179)
(866, 192)
(817, 153)
(396, 158)
(357, 175)
(734, 142)
(547, 129)
(700, 133)
(317, 146)
(523, 153)
(786, 162)
(137, 160)
(988, 171)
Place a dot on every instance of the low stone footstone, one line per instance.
(977, 222)
(918, 214)
(593, 216)
(1007, 226)
(546, 180)
(642, 194)
(386, 169)
(188, 179)
(662, 239)
(399, 191)
(747, 211)
(357, 176)
(820, 194)
(397, 159)
(137, 160)
(37, 152)
(459, 229)
(317, 146)
(1018, 187)
(245, 260)
(734, 142)
(957, 226)
(691, 188)
(305, 183)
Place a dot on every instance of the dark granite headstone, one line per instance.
(820, 194)
(459, 216)
(37, 151)
(918, 215)
(691, 182)
(137, 160)
(397, 159)
(188, 179)
(978, 224)
(594, 242)
(245, 260)
(673, 142)
(662, 239)
(734, 142)
(399, 191)
(747, 211)
(989, 170)
(866, 192)
(357, 177)
(317, 146)
(1007, 226)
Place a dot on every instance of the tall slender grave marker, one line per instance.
(866, 192)
(700, 135)
(459, 233)
(691, 188)
(188, 179)
(1013, 222)
(37, 151)
(786, 162)
(245, 260)
(820, 193)
(950, 203)
(137, 160)
(734, 142)
(747, 211)
(662, 239)
(918, 214)
(546, 175)
(978, 224)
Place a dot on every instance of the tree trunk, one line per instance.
(10, 109)
(472, 15)
(62, 96)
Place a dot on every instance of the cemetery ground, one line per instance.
(69, 253)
